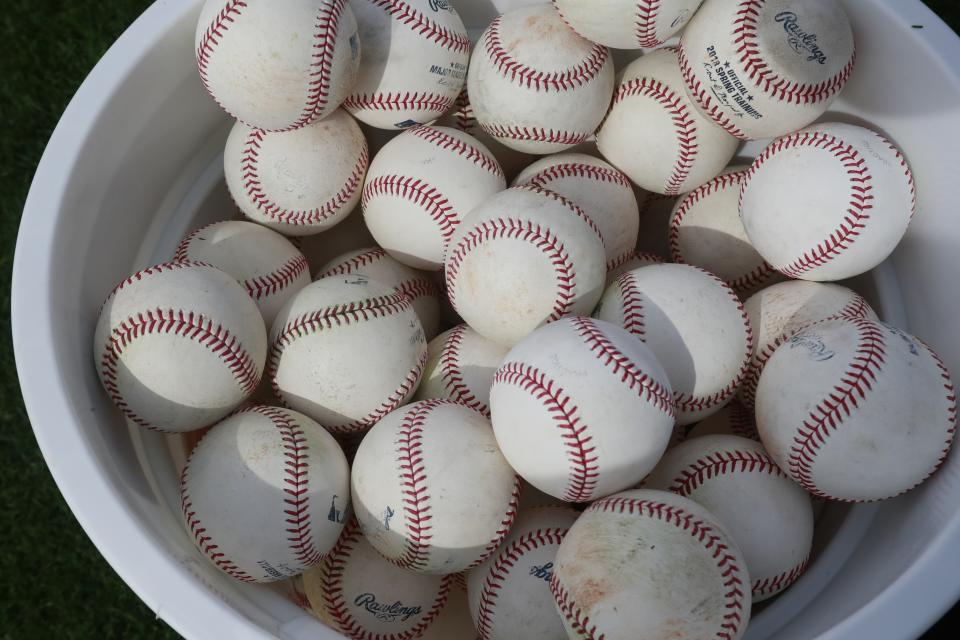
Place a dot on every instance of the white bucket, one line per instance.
(136, 162)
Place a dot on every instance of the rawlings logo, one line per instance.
(799, 40)
(387, 612)
(437, 5)
(544, 573)
(814, 344)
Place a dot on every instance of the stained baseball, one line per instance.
(277, 67)
(265, 494)
(627, 24)
(179, 345)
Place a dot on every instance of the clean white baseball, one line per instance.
(420, 187)
(357, 592)
(630, 261)
(267, 265)
(525, 257)
(603, 193)
(265, 494)
(376, 264)
(509, 593)
(627, 24)
(827, 203)
(706, 231)
(414, 62)
(346, 351)
(179, 345)
(765, 68)
(650, 564)
(779, 311)
(431, 490)
(535, 85)
(856, 410)
(297, 182)
(277, 66)
(767, 513)
(651, 112)
(460, 366)
(581, 409)
(694, 324)
(735, 419)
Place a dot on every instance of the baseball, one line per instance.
(765, 68)
(839, 404)
(346, 351)
(414, 62)
(781, 310)
(827, 203)
(277, 67)
(735, 419)
(460, 366)
(179, 345)
(376, 264)
(357, 592)
(267, 265)
(767, 514)
(349, 235)
(535, 85)
(523, 258)
(603, 193)
(509, 594)
(297, 182)
(627, 24)
(265, 494)
(581, 409)
(650, 564)
(706, 231)
(693, 323)
(419, 188)
(431, 490)
(651, 112)
(454, 621)
(628, 262)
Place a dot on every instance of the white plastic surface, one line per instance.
(135, 162)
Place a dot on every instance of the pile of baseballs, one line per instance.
(495, 410)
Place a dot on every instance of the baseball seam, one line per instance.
(702, 97)
(324, 43)
(418, 191)
(413, 482)
(508, 517)
(464, 118)
(211, 38)
(568, 608)
(545, 176)
(417, 22)
(414, 288)
(448, 142)
(692, 476)
(535, 134)
(631, 298)
(645, 25)
(432, 103)
(779, 582)
(451, 373)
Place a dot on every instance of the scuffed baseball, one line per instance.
(650, 564)
(297, 182)
(827, 203)
(764, 69)
(376, 264)
(603, 193)
(842, 403)
(781, 310)
(277, 66)
(655, 135)
(706, 231)
(535, 85)
(431, 490)
(178, 346)
(460, 366)
(768, 515)
(346, 351)
(265, 494)
(268, 266)
(627, 24)
(509, 593)
(419, 188)
(735, 419)
(693, 323)
(414, 62)
(523, 258)
(581, 409)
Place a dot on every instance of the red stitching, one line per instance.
(415, 288)
(742, 422)
(907, 172)
(702, 97)
(632, 301)
(860, 204)
(578, 621)
(779, 582)
(405, 101)
(578, 170)
(536, 79)
(211, 38)
(464, 119)
(536, 134)
(645, 26)
(444, 36)
(336, 605)
(684, 125)
(759, 71)
(505, 524)
(583, 471)
(152, 271)
(445, 141)
(413, 480)
(630, 256)
(422, 193)
(418, 288)
(251, 182)
(452, 374)
(328, 22)
(951, 396)
(691, 477)
(500, 569)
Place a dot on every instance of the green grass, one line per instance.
(54, 583)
